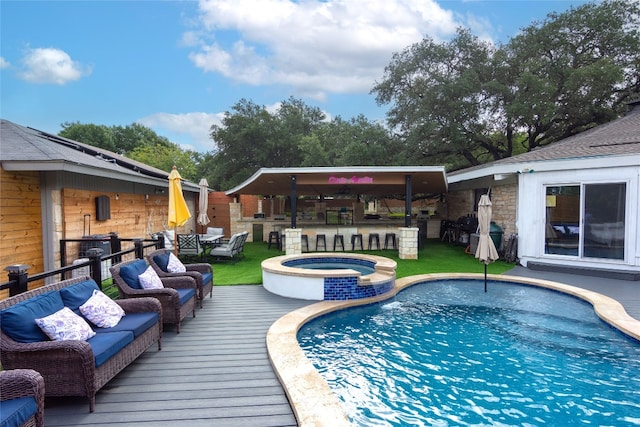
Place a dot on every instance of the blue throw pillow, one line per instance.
(162, 260)
(75, 295)
(18, 321)
(130, 273)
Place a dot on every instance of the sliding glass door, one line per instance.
(586, 220)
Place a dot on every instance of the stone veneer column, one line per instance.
(408, 245)
(235, 214)
(293, 241)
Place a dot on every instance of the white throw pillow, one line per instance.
(65, 325)
(101, 310)
(175, 265)
(150, 279)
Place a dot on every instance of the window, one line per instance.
(586, 221)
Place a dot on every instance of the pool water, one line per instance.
(363, 269)
(445, 353)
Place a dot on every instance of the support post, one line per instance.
(95, 256)
(407, 202)
(17, 275)
(294, 201)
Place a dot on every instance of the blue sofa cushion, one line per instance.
(206, 278)
(185, 294)
(130, 273)
(18, 321)
(14, 412)
(134, 322)
(106, 345)
(162, 260)
(75, 295)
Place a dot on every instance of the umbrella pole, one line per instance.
(485, 277)
(175, 241)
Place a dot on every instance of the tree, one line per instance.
(139, 143)
(165, 157)
(465, 101)
(251, 137)
(356, 142)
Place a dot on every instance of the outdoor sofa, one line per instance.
(201, 272)
(74, 367)
(177, 294)
(21, 398)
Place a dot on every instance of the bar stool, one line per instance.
(390, 237)
(374, 237)
(274, 237)
(305, 241)
(355, 238)
(338, 238)
(321, 238)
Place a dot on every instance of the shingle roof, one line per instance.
(619, 137)
(36, 150)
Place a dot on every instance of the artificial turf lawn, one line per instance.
(436, 257)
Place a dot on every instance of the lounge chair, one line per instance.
(231, 250)
(201, 272)
(177, 297)
(21, 397)
(189, 246)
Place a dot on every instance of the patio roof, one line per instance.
(329, 181)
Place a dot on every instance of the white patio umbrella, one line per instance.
(486, 251)
(203, 204)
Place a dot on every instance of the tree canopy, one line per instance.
(139, 143)
(251, 137)
(465, 101)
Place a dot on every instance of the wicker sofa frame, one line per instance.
(172, 312)
(195, 270)
(68, 367)
(16, 383)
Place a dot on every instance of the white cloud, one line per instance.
(194, 125)
(50, 65)
(4, 63)
(313, 46)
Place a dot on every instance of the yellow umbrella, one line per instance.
(178, 210)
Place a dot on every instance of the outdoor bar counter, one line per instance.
(260, 228)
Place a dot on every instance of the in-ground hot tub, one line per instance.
(329, 276)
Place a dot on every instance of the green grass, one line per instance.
(436, 257)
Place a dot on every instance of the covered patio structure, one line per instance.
(408, 182)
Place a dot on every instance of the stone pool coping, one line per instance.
(313, 402)
(274, 265)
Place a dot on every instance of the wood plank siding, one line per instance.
(216, 372)
(20, 221)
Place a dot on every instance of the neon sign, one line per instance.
(353, 180)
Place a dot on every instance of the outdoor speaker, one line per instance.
(103, 208)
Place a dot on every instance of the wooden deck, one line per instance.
(215, 372)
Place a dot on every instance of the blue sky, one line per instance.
(177, 66)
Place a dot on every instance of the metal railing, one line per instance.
(19, 278)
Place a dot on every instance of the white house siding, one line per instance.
(531, 209)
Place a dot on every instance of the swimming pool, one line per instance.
(311, 399)
(445, 353)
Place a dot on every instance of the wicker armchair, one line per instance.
(175, 298)
(18, 383)
(201, 272)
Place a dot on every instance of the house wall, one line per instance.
(39, 209)
(531, 213)
(20, 222)
(503, 198)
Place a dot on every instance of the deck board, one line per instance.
(215, 372)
